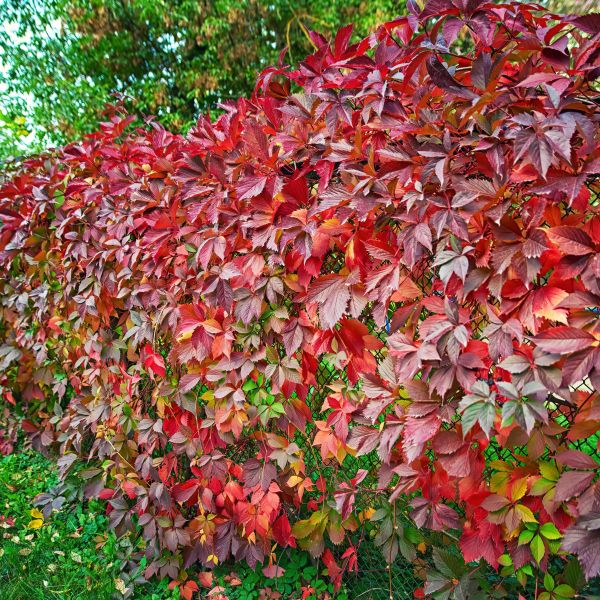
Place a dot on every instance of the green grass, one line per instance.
(74, 556)
(60, 559)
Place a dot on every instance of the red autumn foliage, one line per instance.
(414, 217)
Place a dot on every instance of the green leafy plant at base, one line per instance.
(299, 578)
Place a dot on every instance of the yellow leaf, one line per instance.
(212, 326)
(160, 407)
(549, 471)
(519, 488)
(209, 397)
(186, 335)
(525, 513)
(500, 465)
(403, 394)
(38, 519)
(499, 483)
(366, 514)
(120, 585)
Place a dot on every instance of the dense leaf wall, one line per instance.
(376, 279)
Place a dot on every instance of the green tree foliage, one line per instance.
(61, 59)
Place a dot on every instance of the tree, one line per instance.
(63, 58)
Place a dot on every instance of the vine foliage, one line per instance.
(364, 299)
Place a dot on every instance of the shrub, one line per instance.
(366, 299)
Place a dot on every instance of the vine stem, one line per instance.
(312, 451)
(121, 456)
(390, 561)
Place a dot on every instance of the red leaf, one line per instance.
(363, 439)
(154, 361)
(273, 571)
(282, 532)
(260, 474)
(249, 187)
(564, 340)
(442, 78)
(417, 432)
(572, 483)
(576, 460)
(495, 502)
(481, 540)
(590, 23)
(206, 579)
(332, 294)
(571, 241)
(583, 539)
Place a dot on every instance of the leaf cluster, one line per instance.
(373, 285)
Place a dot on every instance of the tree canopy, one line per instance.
(61, 59)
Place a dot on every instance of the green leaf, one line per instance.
(550, 532)
(303, 528)
(554, 546)
(525, 537)
(521, 577)
(573, 575)
(564, 591)
(277, 409)
(412, 535)
(479, 406)
(379, 514)
(548, 582)
(527, 569)
(250, 384)
(537, 548)
(541, 487)
(505, 560)
(436, 582)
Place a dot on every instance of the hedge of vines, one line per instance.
(416, 214)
